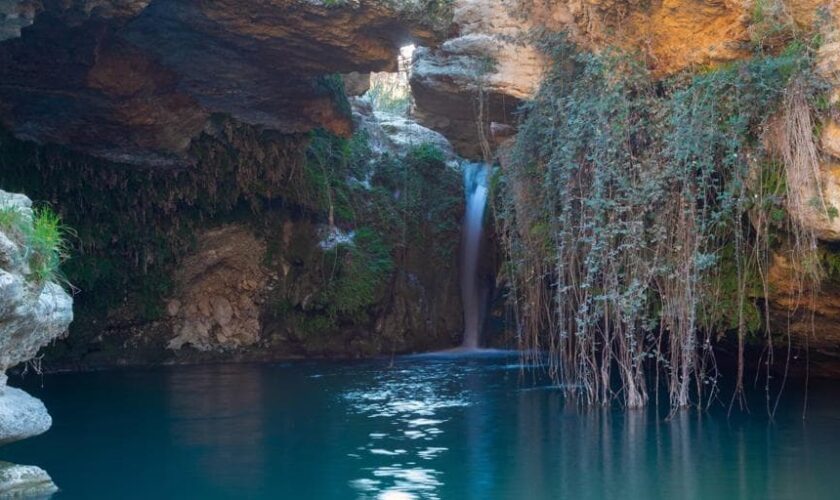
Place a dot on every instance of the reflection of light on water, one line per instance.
(407, 483)
(430, 453)
(380, 451)
(396, 495)
(406, 406)
(424, 421)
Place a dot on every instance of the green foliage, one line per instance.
(133, 223)
(770, 24)
(11, 219)
(411, 202)
(42, 239)
(46, 246)
(625, 214)
(389, 98)
(437, 14)
(722, 307)
(425, 156)
(333, 86)
(830, 258)
(365, 270)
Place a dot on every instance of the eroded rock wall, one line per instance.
(271, 246)
(494, 57)
(469, 87)
(138, 81)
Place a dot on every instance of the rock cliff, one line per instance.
(270, 247)
(470, 86)
(137, 81)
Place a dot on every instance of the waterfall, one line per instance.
(475, 189)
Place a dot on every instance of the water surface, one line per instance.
(426, 428)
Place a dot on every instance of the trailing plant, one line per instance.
(633, 220)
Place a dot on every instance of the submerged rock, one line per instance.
(25, 481)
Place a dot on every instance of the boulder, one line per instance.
(21, 416)
(25, 481)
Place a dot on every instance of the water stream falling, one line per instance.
(475, 188)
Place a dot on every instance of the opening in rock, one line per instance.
(390, 92)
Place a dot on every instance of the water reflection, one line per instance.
(217, 416)
(404, 404)
(459, 429)
(421, 429)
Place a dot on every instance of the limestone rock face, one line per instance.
(395, 133)
(492, 58)
(136, 81)
(810, 316)
(31, 314)
(220, 290)
(485, 63)
(821, 193)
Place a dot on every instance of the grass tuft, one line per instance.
(42, 240)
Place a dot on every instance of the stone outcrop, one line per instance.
(220, 290)
(396, 134)
(807, 314)
(21, 416)
(137, 81)
(479, 76)
(32, 314)
(262, 284)
(493, 58)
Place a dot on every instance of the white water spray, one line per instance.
(475, 188)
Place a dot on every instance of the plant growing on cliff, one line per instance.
(624, 211)
(46, 244)
(41, 238)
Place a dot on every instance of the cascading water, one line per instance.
(475, 188)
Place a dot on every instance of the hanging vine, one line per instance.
(635, 215)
